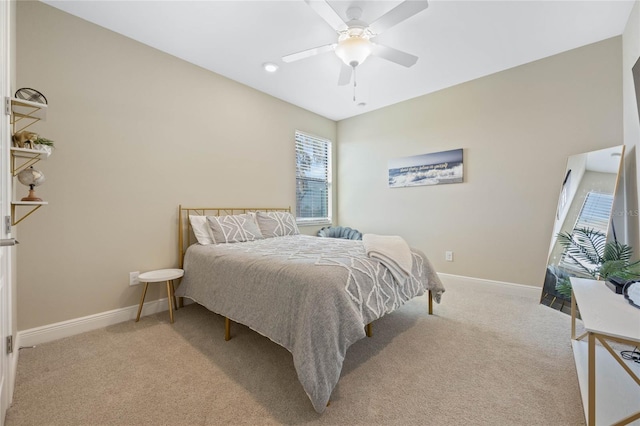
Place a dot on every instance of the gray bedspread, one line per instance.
(311, 295)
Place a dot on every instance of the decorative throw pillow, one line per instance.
(234, 228)
(250, 226)
(201, 229)
(277, 224)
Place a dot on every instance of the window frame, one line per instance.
(316, 220)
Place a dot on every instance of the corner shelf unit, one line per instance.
(22, 115)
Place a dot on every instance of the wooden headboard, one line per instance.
(185, 233)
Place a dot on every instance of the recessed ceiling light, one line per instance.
(270, 67)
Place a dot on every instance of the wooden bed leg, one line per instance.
(181, 302)
(430, 303)
(227, 329)
(368, 329)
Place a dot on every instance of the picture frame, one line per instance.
(427, 169)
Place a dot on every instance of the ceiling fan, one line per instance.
(357, 39)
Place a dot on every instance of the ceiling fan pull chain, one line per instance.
(354, 84)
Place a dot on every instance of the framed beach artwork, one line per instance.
(427, 169)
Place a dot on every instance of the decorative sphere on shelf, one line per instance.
(30, 177)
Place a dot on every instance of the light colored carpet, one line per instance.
(491, 355)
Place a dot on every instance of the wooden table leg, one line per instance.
(173, 293)
(170, 299)
(144, 293)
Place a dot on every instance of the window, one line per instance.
(594, 214)
(313, 179)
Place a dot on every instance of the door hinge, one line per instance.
(7, 224)
(9, 344)
(7, 105)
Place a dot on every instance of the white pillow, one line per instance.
(201, 229)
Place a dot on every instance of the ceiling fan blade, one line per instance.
(394, 55)
(326, 12)
(345, 75)
(404, 10)
(307, 53)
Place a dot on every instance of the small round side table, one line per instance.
(157, 276)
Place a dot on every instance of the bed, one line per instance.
(313, 296)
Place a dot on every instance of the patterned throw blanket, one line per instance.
(311, 295)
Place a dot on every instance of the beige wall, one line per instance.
(137, 133)
(517, 129)
(631, 125)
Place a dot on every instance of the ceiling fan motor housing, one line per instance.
(354, 13)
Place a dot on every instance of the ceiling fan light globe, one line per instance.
(354, 50)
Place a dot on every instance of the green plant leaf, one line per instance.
(585, 246)
(44, 141)
(616, 251)
(564, 287)
(612, 268)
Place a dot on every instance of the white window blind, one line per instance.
(313, 178)
(595, 214)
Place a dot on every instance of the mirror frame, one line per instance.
(567, 209)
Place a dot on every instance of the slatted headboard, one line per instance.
(185, 233)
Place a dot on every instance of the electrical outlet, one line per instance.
(448, 256)
(133, 278)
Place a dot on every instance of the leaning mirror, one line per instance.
(585, 202)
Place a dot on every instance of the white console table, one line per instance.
(607, 381)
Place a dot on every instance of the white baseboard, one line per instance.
(529, 289)
(486, 281)
(47, 333)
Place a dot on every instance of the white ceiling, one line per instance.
(456, 41)
(604, 160)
